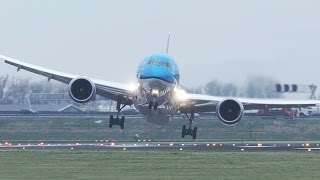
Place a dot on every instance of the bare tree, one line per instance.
(195, 90)
(213, 87)
(18, 90)
(3, 86)
(229, 89)
(260, 87)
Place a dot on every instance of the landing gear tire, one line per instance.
(194, 133)
(155, 107)
(189, 131)
(116, 121)
(122, 122)
(111, 121)
(150, 105)
(184, 130)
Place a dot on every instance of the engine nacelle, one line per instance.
(230, 111)
(82, 89)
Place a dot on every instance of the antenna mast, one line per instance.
(168, 43)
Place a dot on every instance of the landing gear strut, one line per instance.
(154, 103)
(119, 121)
(189, 131)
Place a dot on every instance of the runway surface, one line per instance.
(162, 146)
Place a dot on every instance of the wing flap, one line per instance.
(206, 103)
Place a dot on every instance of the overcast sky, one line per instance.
(228, 40)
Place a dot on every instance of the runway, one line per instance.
(180, 146)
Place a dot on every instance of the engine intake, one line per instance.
(230, 111)
(82, 89)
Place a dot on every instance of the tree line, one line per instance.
(14, 90)
(254, 87)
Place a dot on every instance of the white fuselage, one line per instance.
(166, 103)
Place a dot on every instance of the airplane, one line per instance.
(158, 94)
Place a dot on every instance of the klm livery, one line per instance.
(157, 94)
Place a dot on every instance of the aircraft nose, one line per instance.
(156, 72)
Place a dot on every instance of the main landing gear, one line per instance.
(189, 131)
(119, 121)
(116, 121)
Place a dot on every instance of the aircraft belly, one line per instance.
(166, 107)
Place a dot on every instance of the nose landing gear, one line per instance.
(154, 103)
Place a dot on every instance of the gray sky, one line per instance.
(229, 40)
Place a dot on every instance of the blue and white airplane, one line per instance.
(157, 94)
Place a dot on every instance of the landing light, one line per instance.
(133, 86)
(180, 94)
(155, 92)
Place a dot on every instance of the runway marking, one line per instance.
(145, 145)
(257, 146)
(307, 148)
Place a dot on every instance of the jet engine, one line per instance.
(82, 89)
(230, 111)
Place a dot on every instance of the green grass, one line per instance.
(154, 164)
(85, 128)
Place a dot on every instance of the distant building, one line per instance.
(40, 109)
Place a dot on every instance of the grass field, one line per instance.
(153, 164)
(87, 128)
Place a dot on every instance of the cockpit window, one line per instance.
(159, 63)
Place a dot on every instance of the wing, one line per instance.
(104, 88)
(206, 103)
